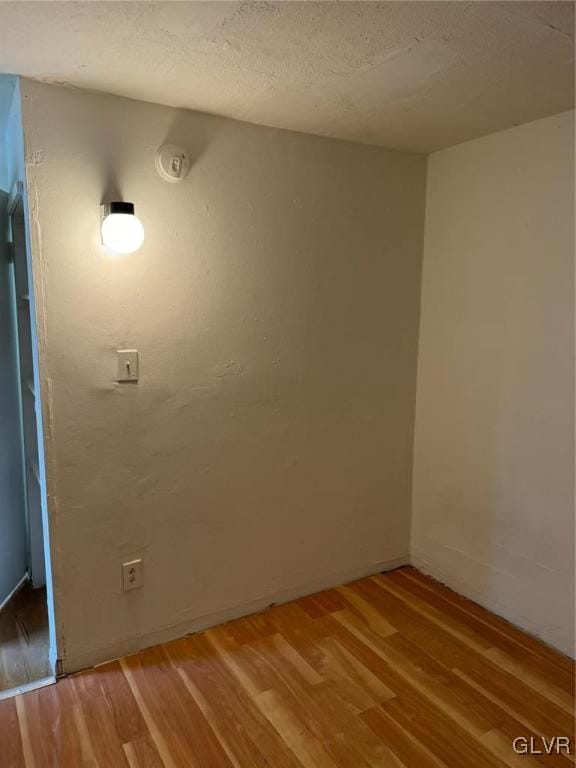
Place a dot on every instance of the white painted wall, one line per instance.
(493, 509)
(266, 450)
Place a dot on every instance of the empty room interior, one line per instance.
(287, 384)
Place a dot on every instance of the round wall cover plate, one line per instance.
(172, 163)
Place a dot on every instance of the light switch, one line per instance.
(127, 364)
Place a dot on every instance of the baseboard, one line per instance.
(15, 591)
(94, 656)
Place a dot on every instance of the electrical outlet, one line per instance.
(132, 575)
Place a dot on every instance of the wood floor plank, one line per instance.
(498, 646)
(477, 612)
(499, 743)
(254, 742)
(408, 750)
(300, 630)
(441, 735)
(408, 669)
(293, 657)
(320, 707)
(349, 674)
(24, 642)
(533, 676)
(309, 750)
(366, 747)
(128, 721)
(104, 739)
(190, 740)
(454, 653)
(526, 706)
(250, 629)
(458, 629)
(510, 729)
(25, 735)
(289, 704)
(10, 736)
(431, 680)
(392, 671)
(104, 721)
(373, 617)
(454, 697)
(142, 753)
(52, 723)
(211, 717)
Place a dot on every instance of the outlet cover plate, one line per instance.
(132, 574)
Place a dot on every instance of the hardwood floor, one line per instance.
(393, 671)
(24, 641)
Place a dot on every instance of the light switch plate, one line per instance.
(127, 364)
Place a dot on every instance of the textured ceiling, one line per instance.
(412, 75)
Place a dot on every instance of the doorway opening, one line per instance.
(27, 647)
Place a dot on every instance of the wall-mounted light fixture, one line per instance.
(122, 232)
